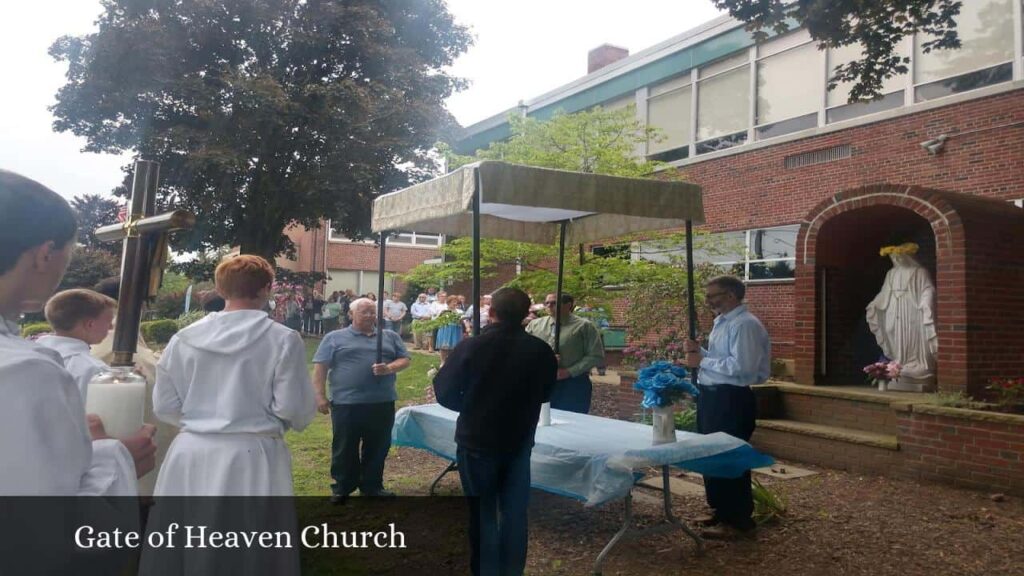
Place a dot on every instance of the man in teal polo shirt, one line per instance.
(362, 403)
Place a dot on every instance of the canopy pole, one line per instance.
(476, 254)
(691, 305)
(380, 297)
(558, 290)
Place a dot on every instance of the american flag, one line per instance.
(122, 213)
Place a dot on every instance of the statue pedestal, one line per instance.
(904, 384)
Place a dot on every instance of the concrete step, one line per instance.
(836, 433)
(848, 408)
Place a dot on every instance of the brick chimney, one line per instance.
(604, 55)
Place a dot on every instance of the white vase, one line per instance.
(664, 424)
(883, 385)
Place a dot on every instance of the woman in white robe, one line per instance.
(902, 319)
(233, 383)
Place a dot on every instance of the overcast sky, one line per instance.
(522, 50)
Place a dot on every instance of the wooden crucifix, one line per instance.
(144, 254)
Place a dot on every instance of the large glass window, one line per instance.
(401, 239)
(759, 254)
(787, 99)
(723, 105)
(668, 109)
(838, 99)
(985, 28)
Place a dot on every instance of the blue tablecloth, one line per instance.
(587, 457)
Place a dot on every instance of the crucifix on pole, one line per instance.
(143, 256)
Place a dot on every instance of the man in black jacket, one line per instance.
(497, 382)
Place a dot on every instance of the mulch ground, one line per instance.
(837, 523)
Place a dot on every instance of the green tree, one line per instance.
(93, 211)
(265, 113)
(88, 266)
(877, 26)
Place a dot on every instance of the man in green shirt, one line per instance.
(580, 349)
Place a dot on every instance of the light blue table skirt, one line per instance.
(587, 457)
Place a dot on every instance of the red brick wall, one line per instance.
(984, 156)
(975, 454)
(754, 189)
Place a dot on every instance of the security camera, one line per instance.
(934, 146)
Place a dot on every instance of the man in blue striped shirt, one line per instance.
(738, 355)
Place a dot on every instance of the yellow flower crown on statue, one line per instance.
(907, 248)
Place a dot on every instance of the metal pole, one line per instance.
(691, 303)
(558, 290)
(476, 255)
(380, 297)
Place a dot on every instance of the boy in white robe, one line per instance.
(80, 318)
(233, 382)
(46, 448)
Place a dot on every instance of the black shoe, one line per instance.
(382, 493)
(338, 499)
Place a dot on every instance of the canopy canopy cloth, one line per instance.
(527, 204)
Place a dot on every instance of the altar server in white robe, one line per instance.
(233, 382)
(46, 447)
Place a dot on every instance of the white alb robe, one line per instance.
(77, 360)
(902, 318)
(45, 447)
(233, 382)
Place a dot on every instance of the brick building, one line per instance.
(809, 186)
(353, 264)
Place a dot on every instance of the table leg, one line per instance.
(452, 466)
(627, 531)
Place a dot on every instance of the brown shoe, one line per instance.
(728, 533)
(707, 520)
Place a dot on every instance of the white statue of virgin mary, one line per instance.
(902, 318)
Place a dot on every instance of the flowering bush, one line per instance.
(883, 370)
(663, 383)
(1008, 391)
(669, 348)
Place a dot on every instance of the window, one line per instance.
(787, 62)
(668, 109)
(753, 255)
(620, 251)
(985, 28)
(400, 239)
(723, 104)
(837, 100)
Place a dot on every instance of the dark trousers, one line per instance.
(362, 438)
(729, 409)
(498, 487)
(573, 394)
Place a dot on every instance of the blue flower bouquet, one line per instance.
(663, 383)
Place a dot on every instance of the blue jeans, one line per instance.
(498, 487)
(573, 394)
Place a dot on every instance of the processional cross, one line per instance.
(143, 256)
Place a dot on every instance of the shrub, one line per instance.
(769, 506)
(190, 318)
(159, 331)
(35, 329)
(169, 305)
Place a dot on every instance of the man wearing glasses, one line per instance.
(738, 355)
(580, 349)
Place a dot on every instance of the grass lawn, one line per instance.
(311, 448)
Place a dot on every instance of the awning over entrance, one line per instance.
(525, 204)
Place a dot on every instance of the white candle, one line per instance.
(119, 401)
(545, 414)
